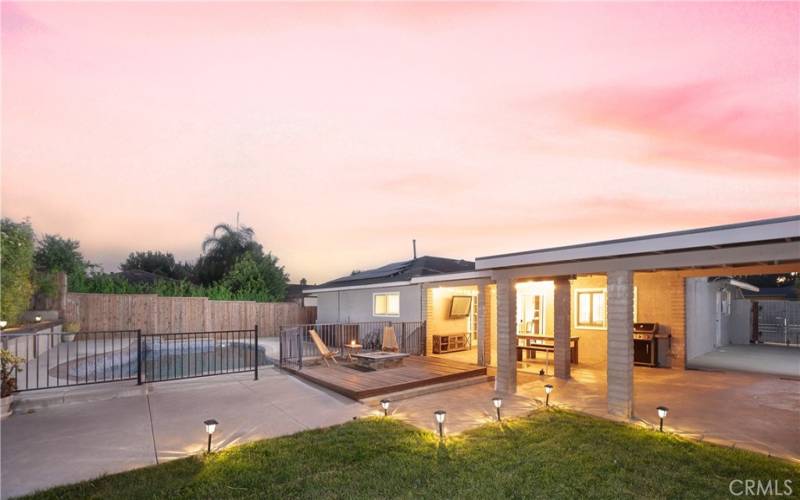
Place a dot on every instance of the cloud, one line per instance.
(15, 21)
(750, 127)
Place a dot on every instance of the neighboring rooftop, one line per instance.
(402, 271)
(786, 229)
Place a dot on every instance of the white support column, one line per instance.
(561, 326)
(620, 343)
(506, 378)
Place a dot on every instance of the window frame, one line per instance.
(387, 314)
(603, 325)
(576, 302)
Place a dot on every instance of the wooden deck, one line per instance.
(416, 371)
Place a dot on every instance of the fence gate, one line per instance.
(779, 322)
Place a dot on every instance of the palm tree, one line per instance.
(222, 248)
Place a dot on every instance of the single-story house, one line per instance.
(663, 300)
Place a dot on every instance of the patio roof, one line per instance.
(783, 229)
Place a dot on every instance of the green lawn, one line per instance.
(549, 454)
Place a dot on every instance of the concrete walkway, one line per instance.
(757, 358)
(99, 433)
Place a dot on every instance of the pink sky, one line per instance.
(342, 131)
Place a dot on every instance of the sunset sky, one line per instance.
(342, 131)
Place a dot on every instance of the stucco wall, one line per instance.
(356, 305)
(700, 309)
(738, 328)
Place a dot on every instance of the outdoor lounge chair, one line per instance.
(323, 349)
(389, 340)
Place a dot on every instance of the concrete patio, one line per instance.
(116, 427)
(751, 411)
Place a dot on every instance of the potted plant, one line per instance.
(70, 329)
(9, 366)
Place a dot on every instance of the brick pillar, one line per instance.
(483, 325)
(561, 326)
(620, 343)
(677, 319)
(506, 378)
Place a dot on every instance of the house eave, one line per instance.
(359, 287)
(785, 229)
(472, 275)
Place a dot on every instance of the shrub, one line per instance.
(9, 366)
(16, 265)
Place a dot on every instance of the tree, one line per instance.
(160, 263)
(257, 278)
(16, 265)
(222, 249)
(56, 254)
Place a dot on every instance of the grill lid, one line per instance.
(651, 328)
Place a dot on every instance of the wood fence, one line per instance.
(154, 314)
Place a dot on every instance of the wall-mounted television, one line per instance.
(460, 306)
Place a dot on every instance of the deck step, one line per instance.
(429, 389)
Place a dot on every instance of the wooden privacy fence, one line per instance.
(154, 314)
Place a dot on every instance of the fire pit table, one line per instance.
(379, 359)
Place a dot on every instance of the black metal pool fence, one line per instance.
(296, 344)
(58, 359)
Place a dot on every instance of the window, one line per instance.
(386, 304)
(591, 305)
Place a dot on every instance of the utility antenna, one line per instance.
(414, 246)
(237, 220)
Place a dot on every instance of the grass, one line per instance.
(550, 454)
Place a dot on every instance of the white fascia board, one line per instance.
(669, 242)
(360, 287)
(452, 277)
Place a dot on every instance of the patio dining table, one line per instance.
(545, 343)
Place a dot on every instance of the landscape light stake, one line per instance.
(547, 390)
(662, 413)
(385, 406)
(498, 402)
(440, 416)
(211, 424)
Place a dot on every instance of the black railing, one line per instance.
(54, 359)
(171, 356)
(60, 359)
(296, 345)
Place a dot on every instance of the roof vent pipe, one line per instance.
(414, 246)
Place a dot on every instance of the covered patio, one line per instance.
(599, 290)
